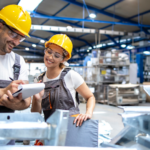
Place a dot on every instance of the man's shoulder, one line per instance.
(21, 58)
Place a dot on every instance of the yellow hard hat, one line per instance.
(16, 17)
(63, 41)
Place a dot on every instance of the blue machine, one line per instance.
(139, 61)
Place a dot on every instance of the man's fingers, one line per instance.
(4, 100)
(20, 96)
(9, 95)
(19, 82)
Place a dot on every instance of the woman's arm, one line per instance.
(36, 104)
(37, 100)
(85, 92)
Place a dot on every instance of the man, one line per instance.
(15, 24)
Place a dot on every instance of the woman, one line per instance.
(62, 84)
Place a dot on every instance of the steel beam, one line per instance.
(53, 15)
(98, 11)
(143, 13)
(38, 15)
(113, 40)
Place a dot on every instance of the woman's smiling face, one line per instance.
(53, 56)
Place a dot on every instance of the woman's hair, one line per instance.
(61, 65)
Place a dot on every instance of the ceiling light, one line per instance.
(111, 43)
(29, 5)
(146, 52)
(33, 45)
(92, 15)
(69, 27)
(27, 49)
(99, 45)
(87, 50)
(42, 41)
(130, 47)
(123, 45)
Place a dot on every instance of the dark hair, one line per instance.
(61, 65)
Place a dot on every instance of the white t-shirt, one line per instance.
(72, 79)
(6, 67)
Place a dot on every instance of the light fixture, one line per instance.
(146, 52)
(111, 43)
(123, 45)
(69, 27)
(130, 47)
(29, 5)
(42, 41)
(92, 15)
(88, 50)
(99, 45)
(33, 45)
(27, 49)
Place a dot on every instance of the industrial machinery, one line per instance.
(136, 128)
(53, 132)
(15, 126)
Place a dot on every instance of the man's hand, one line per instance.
(82, 117)
(9, 101)
(13, 86)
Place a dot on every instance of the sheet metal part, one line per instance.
(53, 132)
(24, 130)
(25, 117)
(137, 126)
(139, 121)
(143, 140)
(136, 109)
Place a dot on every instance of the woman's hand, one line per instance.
(82, 117)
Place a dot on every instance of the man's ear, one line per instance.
(1, 25)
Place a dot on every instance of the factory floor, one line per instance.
(109, 114)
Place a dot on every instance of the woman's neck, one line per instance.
(52, 73)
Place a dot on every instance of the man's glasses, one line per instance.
(14, 35)
(56, 55)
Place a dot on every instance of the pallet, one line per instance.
(102, 101)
